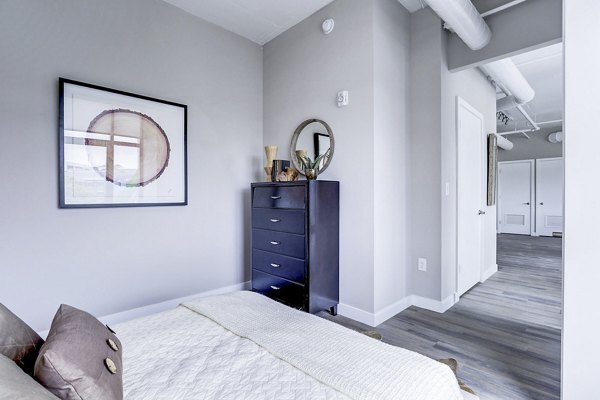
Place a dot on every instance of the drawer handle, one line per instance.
(275, 287)
(275, 197)
(274, 243)
(275, 265)
(274, 220)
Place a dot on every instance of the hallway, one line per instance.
(505, 333)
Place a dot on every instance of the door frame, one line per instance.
(532, 199)
(535, 161)
(461, 103)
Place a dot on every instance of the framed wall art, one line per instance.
(492, 184)
(119, 149)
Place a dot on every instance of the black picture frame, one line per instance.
(144, 130)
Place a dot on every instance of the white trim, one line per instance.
(379, 317)
(439, 306)
(393, 309)
(488, 273)
(461, 103)
(150, 309)
(356, 314)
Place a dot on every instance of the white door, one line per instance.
(470, 193)
(515, 196)
(549, 196)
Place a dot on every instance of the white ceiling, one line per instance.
(543, 69)
(257, 20)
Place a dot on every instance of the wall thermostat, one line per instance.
(342, 98)
(328, 25)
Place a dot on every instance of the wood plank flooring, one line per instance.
(505, 333)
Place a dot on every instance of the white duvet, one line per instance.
(245, 346)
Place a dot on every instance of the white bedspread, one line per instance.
(245, 346)
(352, 363)
(180, 355)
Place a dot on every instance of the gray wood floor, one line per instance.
(505, 333)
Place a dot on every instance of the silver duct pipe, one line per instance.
(504, 143)
(506, 73)
(465, 20)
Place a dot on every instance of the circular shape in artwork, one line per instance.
(127, 147)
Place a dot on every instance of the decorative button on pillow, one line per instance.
(18, 341)
(78, 361)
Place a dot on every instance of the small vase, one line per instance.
(268, 171)
(311, 174)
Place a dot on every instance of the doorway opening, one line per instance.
(522, 298)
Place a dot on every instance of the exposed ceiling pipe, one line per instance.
(502, 8)
(555, 137)
(506, 73)
(465, 20)
(503, 142)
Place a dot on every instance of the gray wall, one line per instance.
(426, 44)
(110, 260)
(391, 151)
(537, 146)
(433, 157)
(366, 54)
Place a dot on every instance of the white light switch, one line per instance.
(343, 98)
(447, 189)
(422, 264)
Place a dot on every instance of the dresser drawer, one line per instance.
(278, 265)
(287, 244)
(279, 197)
(278, 288)
(291, 221)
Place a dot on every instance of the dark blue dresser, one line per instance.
(295, 243)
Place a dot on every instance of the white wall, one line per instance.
(537, 146)
(581, 243)
(110, 260)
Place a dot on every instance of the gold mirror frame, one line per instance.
(294, 142)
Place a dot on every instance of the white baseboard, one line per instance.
(379, 317)
(439, 306)
(388, 312)
(150, 309)
(488, 273)
(356, 314)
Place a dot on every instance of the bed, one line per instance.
(245, 346)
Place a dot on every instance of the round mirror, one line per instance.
(313, 138)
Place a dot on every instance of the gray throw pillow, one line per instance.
(18, 341)
(81, 358)
(17, 385)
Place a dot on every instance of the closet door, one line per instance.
(515, 197)
(549, 196)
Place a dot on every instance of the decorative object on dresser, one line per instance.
(312, 140)
(289, 175)
(271, 153)
(279, 166)
(295, 243)
(120, 149)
